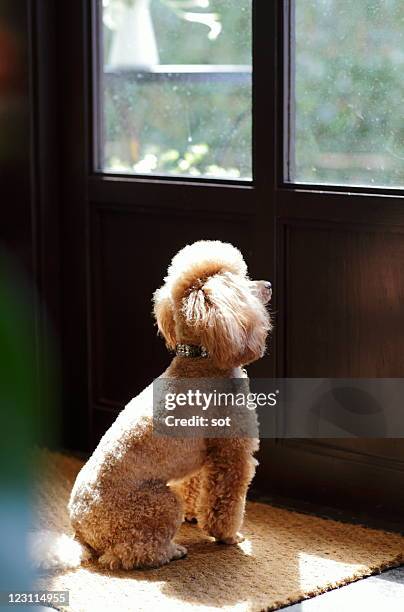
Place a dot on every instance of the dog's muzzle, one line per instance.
(268, 290)
(263, 290)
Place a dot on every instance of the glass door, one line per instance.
(175, 88)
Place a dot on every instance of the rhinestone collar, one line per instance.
(191, 350)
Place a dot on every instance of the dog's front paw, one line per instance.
(237, 539)
(178, 551)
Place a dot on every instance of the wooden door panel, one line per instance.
(344, 302)
(342, 316)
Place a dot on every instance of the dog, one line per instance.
(131, 496)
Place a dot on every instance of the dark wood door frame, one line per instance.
(268, 219)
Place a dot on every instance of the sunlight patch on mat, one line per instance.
(315, 568)
(246, 547)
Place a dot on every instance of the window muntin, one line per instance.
(347, 123)
(175, 88)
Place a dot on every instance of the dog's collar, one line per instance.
(191, 350)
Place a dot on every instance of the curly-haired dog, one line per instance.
(121, 507)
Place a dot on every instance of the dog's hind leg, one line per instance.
(189, 491)
(148, 520)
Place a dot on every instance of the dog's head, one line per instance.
(208, 299)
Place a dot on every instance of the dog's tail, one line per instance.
(51, 550)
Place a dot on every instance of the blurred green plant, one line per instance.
(170, 161)
(20, 422)
(157, 118)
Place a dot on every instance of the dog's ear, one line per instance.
(164, 314)
(224, 315)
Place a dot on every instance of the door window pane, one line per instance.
(348, 122)
(175, 88)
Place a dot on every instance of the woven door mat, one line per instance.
(286, 557)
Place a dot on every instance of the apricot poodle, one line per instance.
(131, 496)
